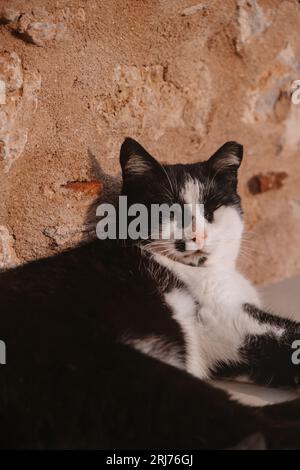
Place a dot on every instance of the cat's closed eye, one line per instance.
(209, 211)
(209, 215)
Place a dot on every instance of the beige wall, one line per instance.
(181, 76)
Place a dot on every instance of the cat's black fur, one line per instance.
(267, 358)
(70, 383)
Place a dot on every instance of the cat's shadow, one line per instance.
(110, 190)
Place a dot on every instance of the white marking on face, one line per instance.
(192, 193)
(195, 232)
(224, 236)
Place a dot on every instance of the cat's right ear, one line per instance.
(227, 158)
(135, 160)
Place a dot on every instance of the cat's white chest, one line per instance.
(217, 288)
(210, 312)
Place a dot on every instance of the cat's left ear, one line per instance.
(135, 160)
(228, 158)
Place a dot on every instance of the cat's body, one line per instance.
(216, 310)
(75, 324)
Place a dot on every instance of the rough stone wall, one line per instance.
(182, 77)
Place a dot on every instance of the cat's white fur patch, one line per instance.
(210, 308)
(157, 348)
(214, 331)
(184, 311)
(192, 192)
(224, 237)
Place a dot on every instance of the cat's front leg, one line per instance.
(272, 357)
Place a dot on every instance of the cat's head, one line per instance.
(209, 186)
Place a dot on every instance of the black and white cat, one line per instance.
(80, 329)
(216, 308)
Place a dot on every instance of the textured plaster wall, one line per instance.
(182, 77)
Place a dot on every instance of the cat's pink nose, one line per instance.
(199, 238)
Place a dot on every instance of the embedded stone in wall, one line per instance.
(268, 100)
(88, 189)
(146, 99)
(8, 256)
(193, 9)
(18, 101)
(26, 27)
(265, 182)
(290, 141)
(288, 57)
(270, 97)
(39, 33)
(251, 20)
(8, 15)
(2, 92)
